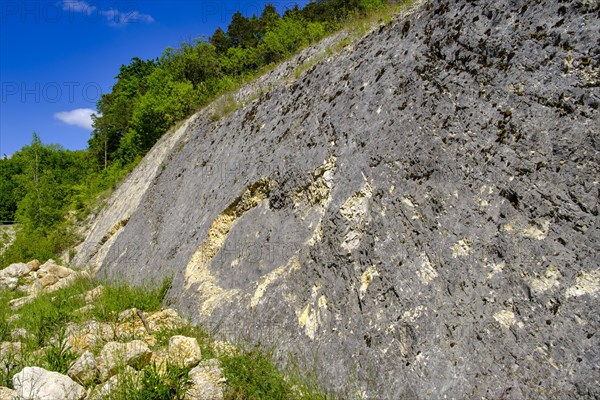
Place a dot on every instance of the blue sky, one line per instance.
(58, 56)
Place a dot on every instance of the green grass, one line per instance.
(46, 318)
(5, 297)
(170, 384)
(358, 26)
(250, 371)
(308, 65)
(252, 374)
(58, 356)
(120, 297)
(152, 384)
(224, 107)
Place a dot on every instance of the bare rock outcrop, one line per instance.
(418, 214)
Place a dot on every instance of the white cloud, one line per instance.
(78, 6)
(113, 16)
(81, 117)
(133, 16)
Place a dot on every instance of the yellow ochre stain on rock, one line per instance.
(427, 273)
(366, 279)
(585, 283)
(318, 190)
(308, 321)
(461, 248)
(537, 230)
(272, 277)
(355, 210)
(197, 270)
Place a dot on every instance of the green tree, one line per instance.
(9, 189)
(196, 62)
(40, 207)
(239, 60)
(167, 101)
(115, 109)
(268, 19)
(220, 40)
(243, 32)
(289, 35)
(332, 11)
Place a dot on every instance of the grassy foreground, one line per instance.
(41, 329)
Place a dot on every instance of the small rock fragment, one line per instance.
(9, 282)
(85, 368)
(48, 280)
(206, 382)
(184, 351)
(16, 304)
(167, 319)
(88, 335)
(7, 394)
(19, 334)
(94, 294)
(114, 355)
(34, 265)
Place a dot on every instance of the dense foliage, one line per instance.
(47, 189)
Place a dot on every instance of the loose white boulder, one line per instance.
(34, 383)
(15, 270)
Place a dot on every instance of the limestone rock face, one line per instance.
(34, 383)
(421, 208)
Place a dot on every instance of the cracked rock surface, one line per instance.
(418, 214)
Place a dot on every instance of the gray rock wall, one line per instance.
(416, 217)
